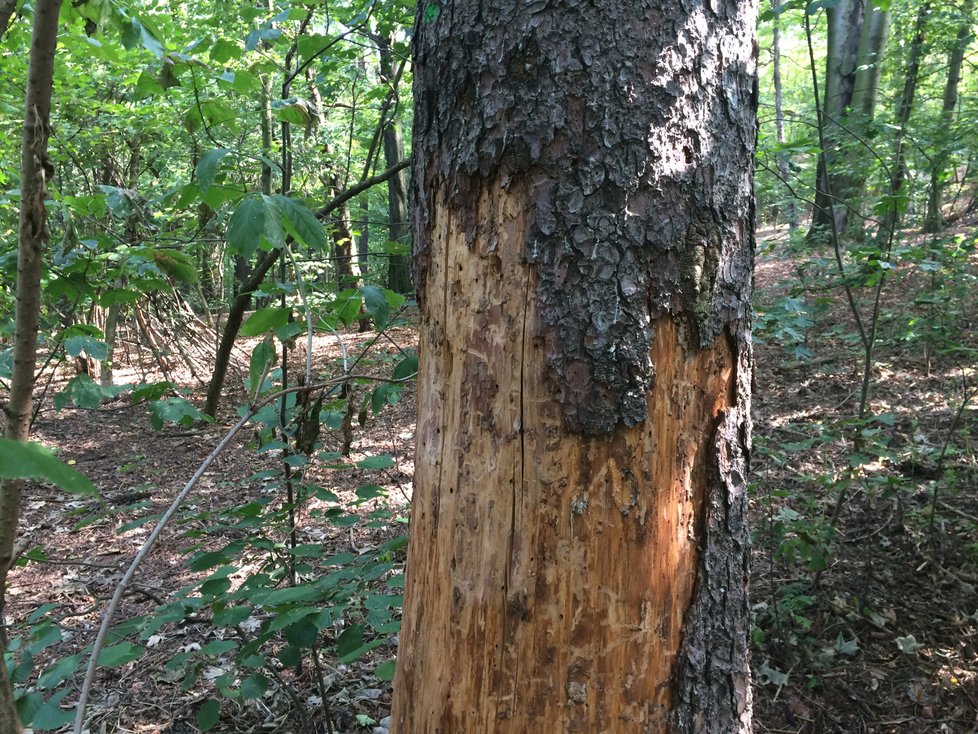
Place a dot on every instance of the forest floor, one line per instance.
(865, 563)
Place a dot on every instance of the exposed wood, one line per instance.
(583, 222)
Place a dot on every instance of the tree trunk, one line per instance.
(33, 238)
(934, 220)
(845, 21)
(583, 237)
(791, 211)
(891, 217)
(399, 230)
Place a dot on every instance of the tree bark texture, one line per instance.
(35, 170)
(934, 221)
(399, 229)
(583, 236)
(845, 22)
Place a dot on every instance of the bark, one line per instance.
(845, 21)
(399, 230)
(583, 234)
(934, 220)
(791, 211)
(35, 169)
(915, 54)
(7, 8)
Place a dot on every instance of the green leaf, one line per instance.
(407, 367)
(385, 671)
(370, 492)
(265, 319)
(254, 686)
(350, 641)
(59, 672)
(262, 358)
(301, 223)
(51, 715)
(224, 50)
(174, 410)
(94, 348)
(208, 714)
(207, 167)
(83, 392)
(375, 301)
(246, 226)
(34, 461)
(116, 655)
(380, 461)
(28, 705)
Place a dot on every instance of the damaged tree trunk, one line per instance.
(583, 237)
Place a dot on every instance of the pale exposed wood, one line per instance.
(559, 566)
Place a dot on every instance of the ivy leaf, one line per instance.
(207, 167)
(246, 226)
(31, 460)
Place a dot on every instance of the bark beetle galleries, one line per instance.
(637, 117)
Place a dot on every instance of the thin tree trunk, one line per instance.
(791, 211)
(7, 8)
(934, 220)
(845, 21)
(33, 238)
(583, 234)
(891, 218)
(399, 230)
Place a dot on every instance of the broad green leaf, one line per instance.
(174, 410)
(407, 367)
(207, 167)
(94, 348)
(350, 640)
(28, 705)
(370, 492)
(51, 715)
(265, 319)
(380, 461)
(246, 226)
(224, 50)
(385, 671)
(262, 358)
(254, 686)
(116, 655)
(375, 301)
(59, 672)
(301, 223)
(208, 715)
(34, 461)
(82, 391)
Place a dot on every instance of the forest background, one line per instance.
(228, 219)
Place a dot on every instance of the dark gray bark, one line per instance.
(934, 220)
(621, 124)
(845, 21)
(399, 229)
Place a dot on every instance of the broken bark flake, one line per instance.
(631, 135)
